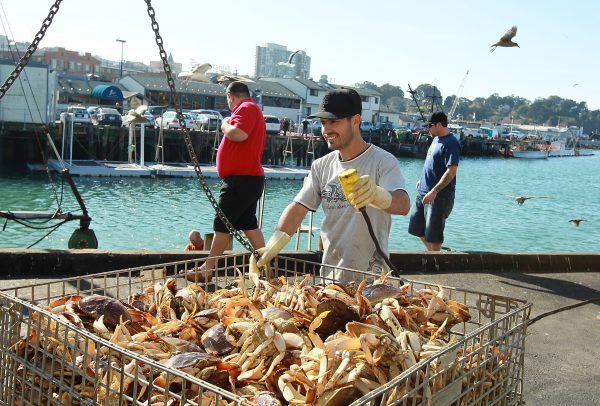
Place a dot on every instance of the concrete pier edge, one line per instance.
(23, 263)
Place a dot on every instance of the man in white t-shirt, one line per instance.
(381, 189)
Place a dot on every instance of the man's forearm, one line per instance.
(233, 133)
(446, 179)
(291, 218)
(400, 203)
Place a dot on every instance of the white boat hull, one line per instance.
(530, 154)
(561, 152)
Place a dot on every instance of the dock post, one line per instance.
(142, 137)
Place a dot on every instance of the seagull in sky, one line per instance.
(290, 59)
(576, 84)
(576, 221)
(197, 73)
(521, 199)
(136, 116)
(506, 40)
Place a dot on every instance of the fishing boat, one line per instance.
(529, 151)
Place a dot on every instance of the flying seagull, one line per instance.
(521, 199)
(197, 73)
(136, 116)
(506, 40)
(576, 84)
(290, 59)
(576, 221)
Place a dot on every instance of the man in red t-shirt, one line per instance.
(239, 166)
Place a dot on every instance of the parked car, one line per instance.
(207, 122)
(224, 112)
(272, 124)
(208, 111)
(168, 120)
(80, 114)
(92, 111)
(107, 116)
(384, 126)
(157, 111)
(367, 127)
(149, 119)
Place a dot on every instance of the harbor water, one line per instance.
(157, 214)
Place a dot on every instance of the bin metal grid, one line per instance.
(482, 365)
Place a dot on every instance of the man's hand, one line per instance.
(366, 192)
(278, 240)
(430, 197)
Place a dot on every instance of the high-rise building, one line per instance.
(271, 61)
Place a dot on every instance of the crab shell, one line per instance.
(96, 305)
(199, 360)
(339, 315)
(274, 313)
(378, 292)
(266, 399)
(215, 342)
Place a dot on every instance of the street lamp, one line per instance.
(122, 41)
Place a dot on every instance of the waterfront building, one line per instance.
(66, 61)
(387, 114)
(31, 99)
(157, 66)
(271, 61)
(274, 98)
(111, 70)
(311, 93)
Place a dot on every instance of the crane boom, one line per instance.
(458, 93)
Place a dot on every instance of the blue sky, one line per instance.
(351, 41)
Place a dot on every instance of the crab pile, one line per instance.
(283, 341)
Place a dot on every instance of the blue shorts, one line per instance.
(428, 220)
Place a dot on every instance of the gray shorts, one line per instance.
(428, 220)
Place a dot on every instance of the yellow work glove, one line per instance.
(278, 240)
(366, 193)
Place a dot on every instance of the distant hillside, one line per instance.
(550, 111)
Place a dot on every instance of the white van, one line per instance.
(272, 124)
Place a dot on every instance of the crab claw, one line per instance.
(254, 272)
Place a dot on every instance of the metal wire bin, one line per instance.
(483, 365)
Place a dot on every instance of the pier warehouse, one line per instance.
(31, 97)
(275, 99)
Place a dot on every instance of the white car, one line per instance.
(272, 124)
(207, 122)
(208, 111)
(168, 120)
(80, 114)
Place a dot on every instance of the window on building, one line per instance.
(314, 92)
(308, 111)
(72, 65)
(365, 99)
(87, 67)
(376, 100)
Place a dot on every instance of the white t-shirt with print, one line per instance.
(346, 239)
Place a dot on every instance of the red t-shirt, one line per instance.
(243, 158)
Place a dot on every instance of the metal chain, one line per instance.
(23, 61)
(30, 49)
(186, 136)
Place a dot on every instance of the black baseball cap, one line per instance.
(339, 103)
